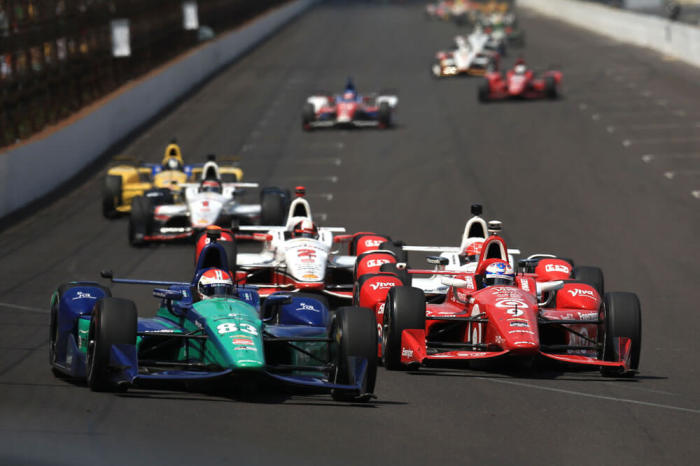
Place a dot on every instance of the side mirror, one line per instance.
(169, 295)
(543, 287)
(269, 307)
(278, 299)
(437, 260)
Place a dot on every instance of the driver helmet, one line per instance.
(214, 283)
(472, 250)
(520, 66)
(349, 95)
(173, 164)
(210, 186)
(499, 272)
(305, 229)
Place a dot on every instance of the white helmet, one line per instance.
(213, 283)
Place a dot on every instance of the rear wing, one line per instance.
(284, 228)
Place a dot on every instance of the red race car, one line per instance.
(520, 83)
(493, 313)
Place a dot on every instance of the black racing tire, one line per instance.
(273, 206)
(484, 91)
(355, 331)
(396, 248)
(111, 196)
(140, 220)
(404, 310)
(403, 275)
(591, 276)
(550, 87)
(113, 321)
(623, 318)
(384, 115)
(308, 115)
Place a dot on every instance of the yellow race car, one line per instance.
(126, 181)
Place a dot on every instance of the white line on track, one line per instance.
(24, 308)
(322, 216)
(671, 174)
(655, 114)
(695, 193)
(648, 158)
(591, 395)
(628, 142)
(332, 179)
(337, 161)
(653, 126)
(326, 196)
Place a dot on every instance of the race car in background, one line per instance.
(210, 330)
(348, 110)
(298, 256)
(470, 57)
(491, 313)
(503, 26)
(126, 181)
(159, 216)
(520, 82)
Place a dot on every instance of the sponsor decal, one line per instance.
(242, 341)
(307, 307)
(443, 356)
(520, 324)
(525, 284)
(377, 262)
(522, 331)
(380, 310)
(310, 276)
(373, 243)
(306, 255)
(522, 343)
(82, 295)
(407, 353)
(500, 340)
(515, 312)
(245, 348)
(579, 292)
(557, 268)
(511, 302)
(381, 285)
(588, 315)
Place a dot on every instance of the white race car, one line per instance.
(471, 56)
(199, 205)
(298, 256)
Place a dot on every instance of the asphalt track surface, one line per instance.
(586, 176)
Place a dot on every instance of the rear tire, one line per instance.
(404, 310)
(550, 87)
(140, 220)
(384, 115)
(111, 195)
(273, 207)
(623, 318)
(484, 91)
(308, 115)
(591, 276)
(114, 321)
(355, 330)
(395, 247)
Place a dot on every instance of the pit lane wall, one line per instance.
(677, 40)
(32, 170)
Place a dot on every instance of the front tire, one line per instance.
(623, 318)
(404, 310)
(484, 91)
(113, 322)
(384, 115)
(355, 330)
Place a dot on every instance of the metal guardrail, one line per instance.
(56, 55)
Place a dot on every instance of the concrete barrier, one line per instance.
(678, 40)
(34, 169)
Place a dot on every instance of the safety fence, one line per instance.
(57, 56)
